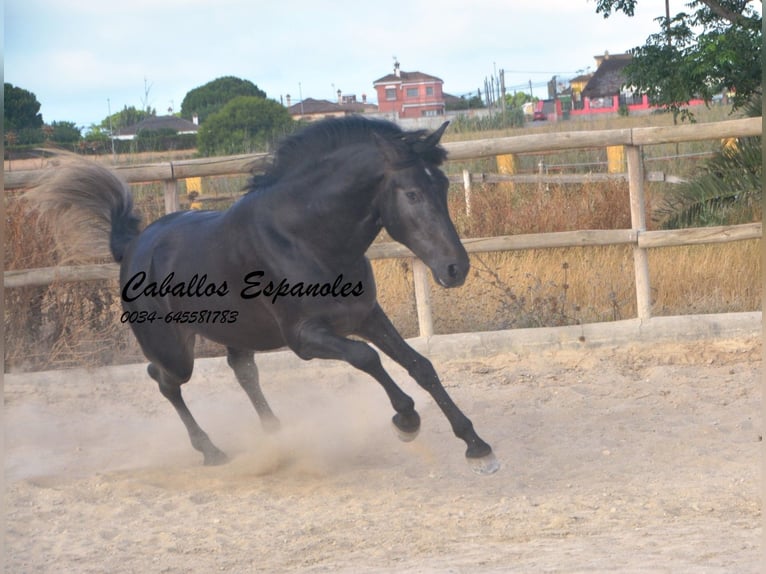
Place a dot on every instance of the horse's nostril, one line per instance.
(452, 270)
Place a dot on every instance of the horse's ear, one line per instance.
(436, 136)
(431, 140)
(429, 149)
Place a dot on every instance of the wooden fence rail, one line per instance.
(473, 149)
(632, 139)
(644, 240)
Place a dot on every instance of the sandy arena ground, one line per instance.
(631, 458)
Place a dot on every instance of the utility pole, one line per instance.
(667, 20)
(111, 132)
(502, 90)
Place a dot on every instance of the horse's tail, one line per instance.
(89, 210)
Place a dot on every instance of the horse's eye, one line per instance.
(412, 196)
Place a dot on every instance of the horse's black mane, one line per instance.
(306, 146)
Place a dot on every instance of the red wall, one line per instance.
(412, 106)
(604, 106)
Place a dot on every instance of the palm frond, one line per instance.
(727, 190)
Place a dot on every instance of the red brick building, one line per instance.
(410, 94)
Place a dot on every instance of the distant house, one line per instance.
(157, 123)
(311, 109)
(576, 86)
(410, 94)
(606, 90)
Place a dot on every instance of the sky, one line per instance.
(85, 58)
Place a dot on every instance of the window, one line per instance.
(431, 113)
(412, 92)
(429, 90)
(390, 94)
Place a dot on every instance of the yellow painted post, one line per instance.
(506, 165)
(193, 191)
(730, 145)
(615, 159)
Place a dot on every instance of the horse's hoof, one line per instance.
(487, 464)
(271, 425)
(215, 458)
(405, 436)
(407, 428)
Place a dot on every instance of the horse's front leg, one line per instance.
(318, 342)
(379, 330)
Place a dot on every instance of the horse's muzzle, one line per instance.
(451, 274)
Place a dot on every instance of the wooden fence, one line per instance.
(632, 139)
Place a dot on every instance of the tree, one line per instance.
(22, 117)
(518, 99)
(95, 140)
(245, 124)
(210, 98)
(21, 111)
(126, 117)
(714, 47)
(65, 133)
(463, 103)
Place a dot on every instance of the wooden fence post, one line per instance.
(467, 191)
(638, 222)
(422, 298)
(171, 195)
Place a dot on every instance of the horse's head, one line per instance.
(413, 203)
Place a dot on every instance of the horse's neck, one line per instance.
(342, 228)
(338, 227)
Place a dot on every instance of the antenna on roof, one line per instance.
(145, 101)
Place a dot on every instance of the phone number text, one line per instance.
(181, 317)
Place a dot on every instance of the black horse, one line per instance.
(284, 266)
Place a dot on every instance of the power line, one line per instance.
(526, 85)
(556, 73)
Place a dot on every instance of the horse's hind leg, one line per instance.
(170, 387)
(242, 363)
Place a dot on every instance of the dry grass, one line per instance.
(570, 286)
(706, 278)
(64, 324)
(67, 325)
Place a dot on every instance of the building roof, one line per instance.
(581, 78)
(310, 106)
(407, 77)
(608, 79)
(155, 123)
